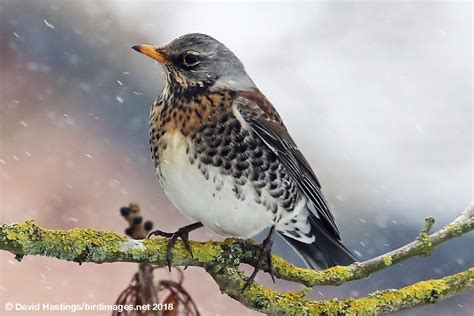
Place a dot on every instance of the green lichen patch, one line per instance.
(88, 245)
(334, 275)
(80, 245)
(387, 260)
(386, 301)
(155, 252)
(275, 303)
(457, 229)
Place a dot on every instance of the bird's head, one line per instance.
(198, 60)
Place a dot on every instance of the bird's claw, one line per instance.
(182, 233)
(173, 237)
(266, 253)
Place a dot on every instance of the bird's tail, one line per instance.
(326, 251)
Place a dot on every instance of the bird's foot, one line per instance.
(265, 254)
(182, 233)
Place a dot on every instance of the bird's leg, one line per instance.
(182, 233)
(266, 253)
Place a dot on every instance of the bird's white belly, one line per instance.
(212, 202)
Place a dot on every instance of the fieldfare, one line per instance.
(226, 160)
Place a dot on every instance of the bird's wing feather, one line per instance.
(261, 117)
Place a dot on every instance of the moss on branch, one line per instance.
(222, 259)
(421, 246)
(88, 245)
(378, 303)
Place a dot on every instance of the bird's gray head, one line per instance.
(198, 60)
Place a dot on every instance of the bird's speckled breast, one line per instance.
(202, 193)
(215, 170)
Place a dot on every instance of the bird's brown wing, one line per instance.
(263, 119)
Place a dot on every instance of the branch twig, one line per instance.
(422, 246)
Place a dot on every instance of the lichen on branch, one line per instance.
(222, 259)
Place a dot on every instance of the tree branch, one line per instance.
(221, 260)
(378, 303)
(423, 245)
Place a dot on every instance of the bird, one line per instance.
(226, 160)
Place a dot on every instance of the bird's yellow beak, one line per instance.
(151, 51)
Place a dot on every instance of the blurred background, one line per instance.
(378, 95)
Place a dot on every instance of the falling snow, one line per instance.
(48, 24)
(59, 142)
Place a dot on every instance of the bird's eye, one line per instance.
(190, 59)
